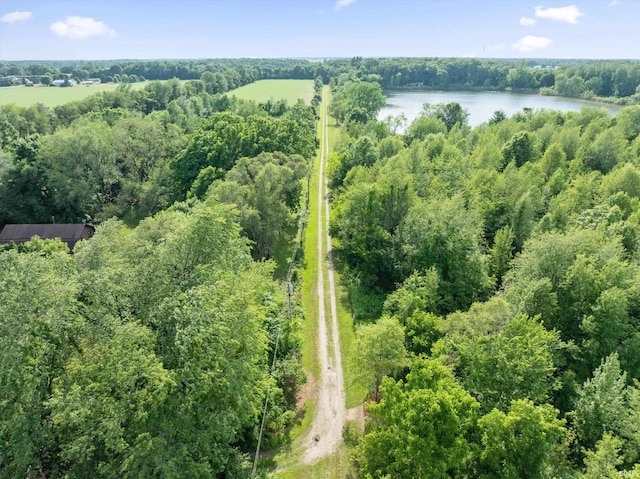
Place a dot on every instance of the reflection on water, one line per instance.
(482, 104)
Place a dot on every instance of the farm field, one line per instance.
(259, 91)
(264, 90)
(54, 96)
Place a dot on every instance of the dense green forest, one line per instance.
(493, 273)
(611, 80)
(149, 351)
(497, 273)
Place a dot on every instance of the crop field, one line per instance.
(264, 90)
(52, 96)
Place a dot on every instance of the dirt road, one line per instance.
(330, 412)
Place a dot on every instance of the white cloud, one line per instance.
(528, 22)
(80, 27)
(15, 17)
(613, 3)
(340, 4)
(531, 43)
(569, 14)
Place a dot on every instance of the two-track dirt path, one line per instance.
(326, 430)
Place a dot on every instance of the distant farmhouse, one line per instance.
(70, 82)
(68, 233)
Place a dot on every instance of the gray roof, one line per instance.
(69, 233)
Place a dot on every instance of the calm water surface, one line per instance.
(480, 104)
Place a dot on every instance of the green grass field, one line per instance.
(259, 91)
(53, 96)
(264, 90)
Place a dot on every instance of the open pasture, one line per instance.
(53, 96)
(264, 90)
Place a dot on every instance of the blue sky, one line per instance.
(146, 29)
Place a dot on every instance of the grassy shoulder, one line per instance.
(336, 466)
(310, 276)
(264, 90)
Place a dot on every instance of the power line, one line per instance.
(302, 224)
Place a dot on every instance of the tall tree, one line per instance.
(521, 442)
(601, 405)
(443, 234)
(40, 325)
(420, 428)
(358, 102)
(381, 350)
(500, 359)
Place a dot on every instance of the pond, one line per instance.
(481, 104)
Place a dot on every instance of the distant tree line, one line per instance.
(603, 79)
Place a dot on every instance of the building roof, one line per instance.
(69, 233)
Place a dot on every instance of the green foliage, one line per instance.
(601, 405)
(554, 158)
(519, 443)
(501, 254)
(422, 331)
(381, 350)
(443, 234)
(145, 353)
(362, 152)
(499, 359)
(531, 206)
(418, 293)
(604, 152)
(226, 137)
(91, 169)
(39, 329)
(625, 179)
(419, 428)
(629, 122)
(390, 146)
(266, 190)
(109, 407)
(450, 114)
(423, 126)
(366, 220)
(602, 463)
(580, 284)
(519, 149)
(357, 102)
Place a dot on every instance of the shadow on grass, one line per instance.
(363, 302)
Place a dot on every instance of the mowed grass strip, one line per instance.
(51, 96)
(264, 90)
